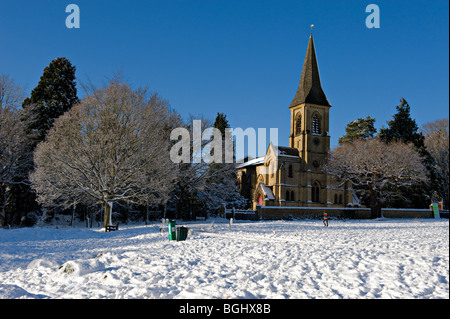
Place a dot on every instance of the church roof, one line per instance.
(267, 191)
(255, 161)
(309, 89)
(290, 151)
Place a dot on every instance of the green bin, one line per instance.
(172, 230)
(182, 233)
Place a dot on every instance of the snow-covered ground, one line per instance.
(382, 258)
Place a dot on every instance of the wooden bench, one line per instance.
(112, 227)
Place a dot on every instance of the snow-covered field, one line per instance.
(267, 259)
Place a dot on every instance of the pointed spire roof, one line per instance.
(309, 88)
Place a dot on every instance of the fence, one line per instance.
(272, 212)
(238, 214)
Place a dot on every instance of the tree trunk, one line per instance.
(375, 207)
(108, 212)
(180, 202)
(73, 214)
(3, 212)
(92, 216)
(146, 214)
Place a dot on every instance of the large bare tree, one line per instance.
(376, 168)
(112, 146)
(12, 147)
(11, 94)
(437, 143)
(11, 130)
(15, 155)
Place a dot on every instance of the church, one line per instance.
(293, 176)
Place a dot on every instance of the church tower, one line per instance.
(310, 115)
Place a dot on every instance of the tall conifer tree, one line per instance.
(402, 127)
(55, 94)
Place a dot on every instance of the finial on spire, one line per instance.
(312, 26)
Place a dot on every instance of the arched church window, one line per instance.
(315, 190)
(290, 171)
(316, 124)
(292, 195)
(287, 195)
(298, 125)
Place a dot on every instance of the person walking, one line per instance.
(325, 219)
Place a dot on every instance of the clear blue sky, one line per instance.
(243, 58)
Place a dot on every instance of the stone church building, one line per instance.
(293, 176)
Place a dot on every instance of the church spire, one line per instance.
(309, 89)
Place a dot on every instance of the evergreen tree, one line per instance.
(359, 129)
(221, 123)
(55, 94)
(402, 127)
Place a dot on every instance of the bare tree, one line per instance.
(11, 94)
(376, 168)
(112, 146)
(437, 143)
(11, 130)
(15, 156)
(12, 147)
